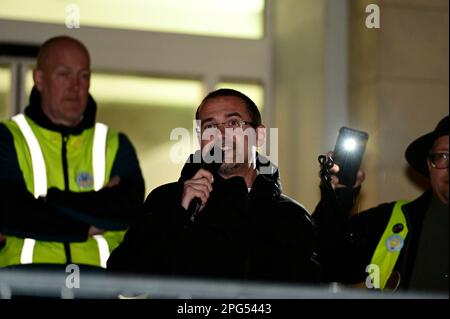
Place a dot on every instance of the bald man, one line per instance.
(69, 186)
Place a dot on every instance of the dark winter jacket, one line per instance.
(256, 235)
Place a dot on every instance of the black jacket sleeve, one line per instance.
(23, 215)
(111, 208)
(289, 253)
(332, 216)
(347, 242)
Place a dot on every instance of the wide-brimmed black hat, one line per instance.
(417, 152)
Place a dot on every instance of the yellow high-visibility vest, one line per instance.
(39, 159)
(390, 245)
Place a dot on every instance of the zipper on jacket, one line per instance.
(248, 214)
(65, 138)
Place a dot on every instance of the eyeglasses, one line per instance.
(233, 123)
(439, 160)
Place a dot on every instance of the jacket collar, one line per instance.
(414, 214)
(267, 183)
(415, 210)
(34, 111)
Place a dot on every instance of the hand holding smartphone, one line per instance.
(348, 153)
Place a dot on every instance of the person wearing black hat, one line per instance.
(429, 156)
(397, 245)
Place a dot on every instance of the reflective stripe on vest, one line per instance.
(99, 169)
(390, 244)
(40, 179)
(37, 159)
(26, 256)
(99, 155)
(103, 249)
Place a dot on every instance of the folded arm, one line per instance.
(112, 207)
(21, 214)
(67, 215)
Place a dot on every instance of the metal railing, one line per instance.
(103, 285)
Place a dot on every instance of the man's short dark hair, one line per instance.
(251, 106)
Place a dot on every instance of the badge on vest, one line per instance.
(394, 243)
(85, 180)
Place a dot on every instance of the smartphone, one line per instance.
(348, 153)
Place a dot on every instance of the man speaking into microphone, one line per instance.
(225, 218)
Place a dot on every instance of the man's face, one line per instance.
(214, 113)
(63, 81)
(439, 177)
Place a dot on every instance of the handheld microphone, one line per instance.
(213, 167)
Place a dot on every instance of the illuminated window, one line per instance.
(228, 18)
(147, 109)
(5, 91)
